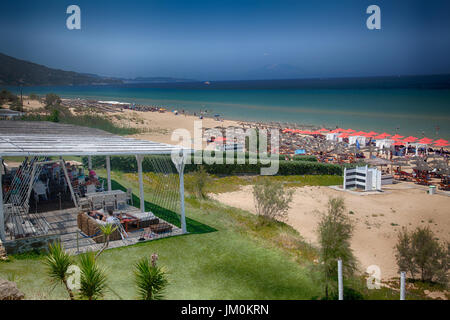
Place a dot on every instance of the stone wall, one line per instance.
(29, 244)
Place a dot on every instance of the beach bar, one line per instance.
(46, 143)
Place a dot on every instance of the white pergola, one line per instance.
(34, 139)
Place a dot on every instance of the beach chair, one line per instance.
(130, 196)
(97, 202)
(109, 202)
(121, 200)
(40, 190)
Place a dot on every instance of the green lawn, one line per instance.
(228, 257)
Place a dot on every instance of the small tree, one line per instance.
(420, 253)
(52, 99)
(93, 279)
(272, 200)
(106, 229)
(335, 231)
(54, 116)
(150, 279)
(198, 181)
(58, 262)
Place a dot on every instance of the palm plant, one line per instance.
(150, 280)
(93, 279)
(107, 230)
(58, 262)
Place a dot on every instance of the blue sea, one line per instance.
(418, 112)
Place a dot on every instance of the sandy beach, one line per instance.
(161, 125)
(377, 217)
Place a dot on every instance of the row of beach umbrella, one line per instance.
(398, 139)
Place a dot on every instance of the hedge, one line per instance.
(129, 164)
(304, 158)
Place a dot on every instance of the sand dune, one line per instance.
(377, 217)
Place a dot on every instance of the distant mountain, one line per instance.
(157, 80)
(441, 81)
(16, 72)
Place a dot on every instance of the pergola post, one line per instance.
(90, 162)
(183, 215)
(2, 216)
(179, 161)
(141, 182)
(108, 170)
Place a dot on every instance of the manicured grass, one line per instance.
(238, 261)
(228, 255)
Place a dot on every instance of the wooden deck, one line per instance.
(64, 223)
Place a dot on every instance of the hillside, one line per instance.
(19, 72)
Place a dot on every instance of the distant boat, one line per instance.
(207, 82)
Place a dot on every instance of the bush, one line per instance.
(52, 99)
(7, 97)
(420, 254)
(272, 201)
(304, 158)
(93, 279)
(150, 279)
(54, 116)
(34, 96)
(349, 294)
(128, 164)
(197, 182)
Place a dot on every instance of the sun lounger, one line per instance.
(162, 227)
(145, 218)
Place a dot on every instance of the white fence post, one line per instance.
(402, 285)
(345, 178)
(340, 281)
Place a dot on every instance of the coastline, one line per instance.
(406, 112)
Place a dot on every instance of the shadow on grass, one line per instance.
(192, 226)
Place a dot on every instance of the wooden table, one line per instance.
(127, 220)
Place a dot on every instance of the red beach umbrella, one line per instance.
(425, 140)
(349, 130)
(441, 141)
(398, 143)
(397, 137)
(382, 136)
(323, 130)
(410, 139)
(371, 134)
(343, 135)
(442, 144)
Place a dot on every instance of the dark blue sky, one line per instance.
(218, 40)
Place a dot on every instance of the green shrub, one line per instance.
(304, 158)
(420, 254)
(129, 164)
(272, 200)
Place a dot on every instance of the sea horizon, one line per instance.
(407, 111)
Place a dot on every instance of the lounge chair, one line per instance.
(121, 200)
(97, 202)
(110, 202)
